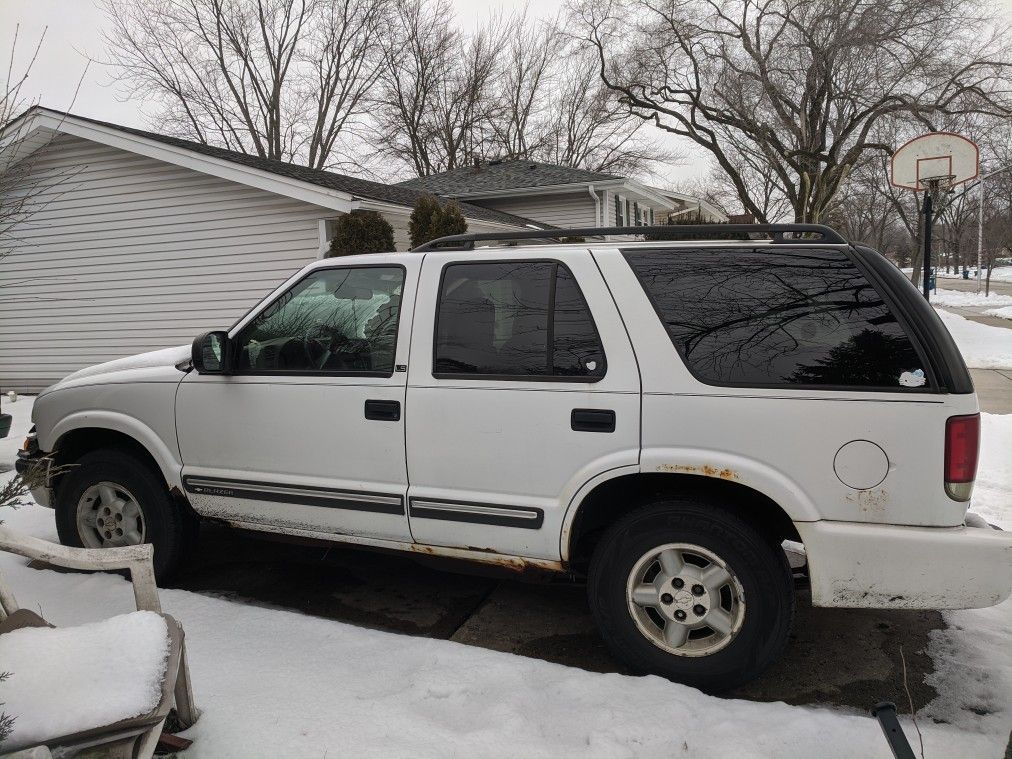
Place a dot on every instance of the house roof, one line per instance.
(504, 175)
(360, 188)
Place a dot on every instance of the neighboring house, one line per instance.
(557, 195)
(139, 241)
(691, 206)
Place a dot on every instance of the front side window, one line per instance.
(522, 319)
(777, 317)
(335, 321)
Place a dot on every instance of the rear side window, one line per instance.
(522, 319)
(777, 317)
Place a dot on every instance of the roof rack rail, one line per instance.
(660, 231)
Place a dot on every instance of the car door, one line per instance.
(308, 431)
(522, 386)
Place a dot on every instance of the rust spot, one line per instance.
(706, 470)
(874, 500)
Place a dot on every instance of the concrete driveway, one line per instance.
(844, 657)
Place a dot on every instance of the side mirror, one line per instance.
(212, 353)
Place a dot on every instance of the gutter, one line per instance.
(597, 205)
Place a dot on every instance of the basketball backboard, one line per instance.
(937, 159)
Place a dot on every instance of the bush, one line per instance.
(430, 220)
(361, 232)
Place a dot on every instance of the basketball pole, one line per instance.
(928, 193)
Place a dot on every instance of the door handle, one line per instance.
(592, 420)
(383, 411)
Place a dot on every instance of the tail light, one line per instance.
(962, 441)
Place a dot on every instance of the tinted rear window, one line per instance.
(775, 317)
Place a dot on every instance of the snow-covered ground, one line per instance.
(274, 683)
(961, 299)
(1001, 313)
(982, 346)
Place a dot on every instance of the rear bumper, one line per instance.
(859, 565)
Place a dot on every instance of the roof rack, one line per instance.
(776, 232)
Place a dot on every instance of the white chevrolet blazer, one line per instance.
(656, 417)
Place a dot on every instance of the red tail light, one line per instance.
(962, 441)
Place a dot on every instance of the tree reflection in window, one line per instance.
(334, 321)
(775, 316)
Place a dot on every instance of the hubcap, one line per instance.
(685, 599)
(108, 516)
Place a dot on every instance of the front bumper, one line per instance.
(860, 565)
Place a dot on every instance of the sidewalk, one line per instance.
(994, 389)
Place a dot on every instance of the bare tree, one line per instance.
(515, 88)
(800, 85)
(281, 79)
(23, 190)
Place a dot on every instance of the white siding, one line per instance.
(127, 254)
(569, 210)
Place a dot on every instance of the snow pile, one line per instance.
(1001, 313)
(992, 492)
(960, 299)
(973, 666)
(66, 680)
(982, 346)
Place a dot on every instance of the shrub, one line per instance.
(430, 219)
(361, 232)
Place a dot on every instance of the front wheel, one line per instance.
(683, 589)
(110, 498)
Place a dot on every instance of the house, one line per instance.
(134, 241)
(694, 207)
(557, 195)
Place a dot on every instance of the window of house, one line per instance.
(651, 217)
(522, 319)
(628, 209)
(334, 321)
(619, 211)
(776, 317)
(636, 214)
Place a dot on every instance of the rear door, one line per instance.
(522, 386)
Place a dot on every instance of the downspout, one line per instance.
(597, 206)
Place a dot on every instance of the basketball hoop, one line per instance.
(933, 163)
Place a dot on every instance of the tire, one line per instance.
(757, 600)
(164, 524)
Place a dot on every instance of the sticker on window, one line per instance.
(912, 379)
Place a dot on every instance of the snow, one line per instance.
(960, 299)
(982, 346)
(1001, 313)
(66, 680)
(276, 683)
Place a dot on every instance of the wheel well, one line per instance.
(613, 499)
(74, 444)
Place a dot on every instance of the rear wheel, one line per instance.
(686, 590)
(111, 498)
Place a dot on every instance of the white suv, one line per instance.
(658, 417)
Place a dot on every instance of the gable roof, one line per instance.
(351, 186)
(504, 175)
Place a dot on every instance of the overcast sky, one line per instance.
(74, 35)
